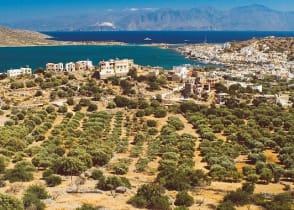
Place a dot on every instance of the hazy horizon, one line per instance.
(34, 9)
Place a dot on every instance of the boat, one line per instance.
(147, 39)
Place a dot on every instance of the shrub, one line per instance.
(22, 172)
(86, 207)
(142, 164)
(62, 109)
(112, 182)
(227, 205)
(3, 164)
(53, 180)
(184, 199)
(33, 195)
(140, 113)
(120, 168)
(69, 166)
(92, 107)
(38, 93)
(8, 202)
(70, 101)
(121, 101)
(77, 108)
(238, 197)
(31, 201)
(97, 174)
(160, 112)
(96, 97)
(150, 196)
(39, 191)
(248, 187)
(266, 175)
(84, 102)
(152, 131)
(151, 123)
(176, 122)
(138, 201)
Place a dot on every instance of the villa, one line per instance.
(84, 65)
(70, 67)
(119, 68)
(18, 72)
(54, 67)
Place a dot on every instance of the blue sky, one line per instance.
(14, 10)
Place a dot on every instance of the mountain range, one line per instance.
(251, 17)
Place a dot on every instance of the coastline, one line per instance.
(67, 43)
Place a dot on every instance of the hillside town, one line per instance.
(195, 82)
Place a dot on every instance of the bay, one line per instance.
(169, 37)
(15, 57)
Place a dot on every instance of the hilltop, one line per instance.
(279, 44)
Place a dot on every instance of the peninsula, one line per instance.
(22, 38)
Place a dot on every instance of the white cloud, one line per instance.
(134, 9)
(106, 24)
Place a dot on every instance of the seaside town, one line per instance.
(246, 66)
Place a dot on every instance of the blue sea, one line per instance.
(15, 57)
(170, 37)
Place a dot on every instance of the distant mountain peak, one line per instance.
(249, 17)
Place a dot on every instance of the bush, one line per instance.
(181, 208)
(151, 123)
(22, 172)
(70, 101)
(160, 112)
(184, 199)
(121, 101)
(238, 197)
(50, 109)
(31, 201)
(69, 166)
(38, 190)
(248, 187)
(77, 108)
(86, 207)
(3, 164)
(150, 196)
(176, 122)
(112, 182)
(152, 131)
(138, 201)
(8, 202)
(62, 109)
(53, 180)
(227, 205)
(38, 93)
(84, 102)
(92, 107)
(140, 113)
(97, 174)
(33, 195)
(120, 168)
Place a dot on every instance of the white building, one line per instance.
(84, 65)
(116, 67)
(182, 72)
(69, 67)
(18, 72)
(54, 67)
